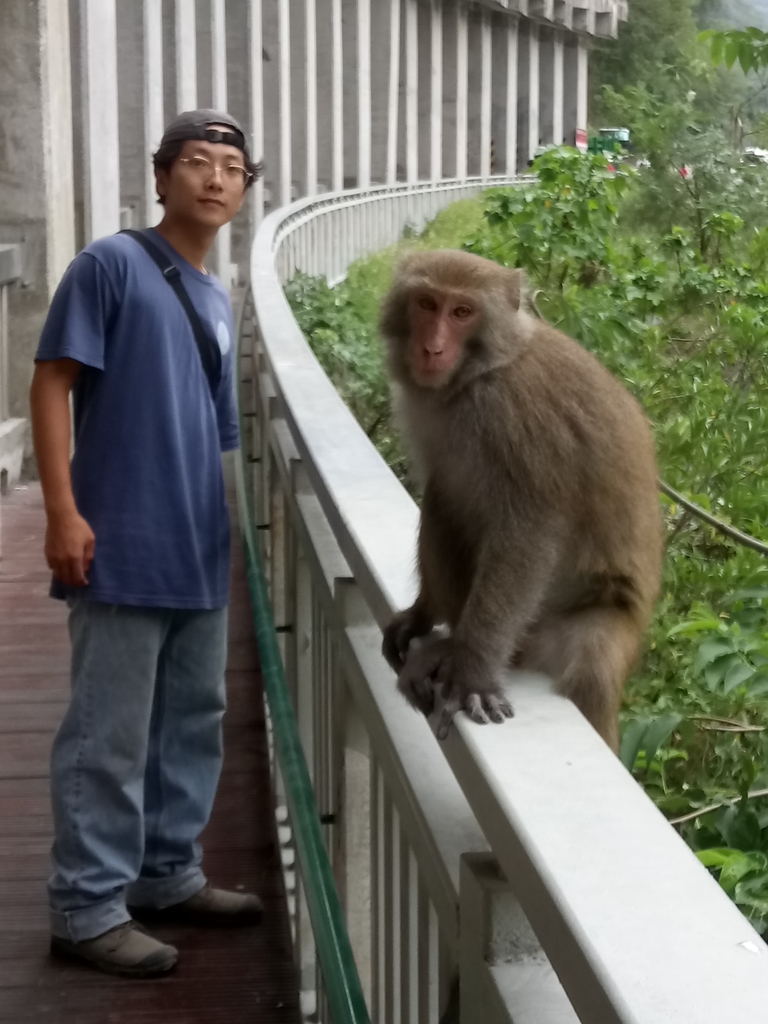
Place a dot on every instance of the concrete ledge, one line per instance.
(12, 437)
(10, 263)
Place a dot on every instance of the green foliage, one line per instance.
(654, 46)
(561, 226)
(340, 324)
(747, 47)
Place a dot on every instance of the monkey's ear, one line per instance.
(517, 288)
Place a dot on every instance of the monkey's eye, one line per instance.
(462, 312)
(425, 302)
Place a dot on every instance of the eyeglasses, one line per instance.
(233, 176)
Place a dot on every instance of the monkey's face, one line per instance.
(440, 322)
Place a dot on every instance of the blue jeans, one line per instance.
(135, 763)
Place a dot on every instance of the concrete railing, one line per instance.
(521, 859)
(11, 430)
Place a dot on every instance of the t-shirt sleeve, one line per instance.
(226, 409)
(77, 320)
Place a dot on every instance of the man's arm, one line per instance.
(69, 541)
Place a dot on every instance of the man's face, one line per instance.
(206, 184)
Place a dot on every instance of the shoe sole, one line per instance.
(65, 950)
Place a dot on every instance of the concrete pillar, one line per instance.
(221, 256)
(381, 108)
(299, 119)
(575, 87)
(449, 92)
(350, 78)
(436, 91)
(511, 100)
(56, 96)
(154, 115)
(239, 105)
(203, 51)
(474, 157)
(284, 56)
(546, 86)
(411, 90)
(101, 161)
(570, 106)
(534, 79)
(36, 192)
(186, 55)
(337, 77)
(523, 95)
(325, 113)
(131, 61)
(393, 89)
(363, 93)
(270, 103)
(558, 80)
(310, 46)
(256, 82)
(497, 156)
(462, 86)
(552, 84)
(582, 83)
(486, 109)
(425, 80)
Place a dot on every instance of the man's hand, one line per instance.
(69, 540)
(69, 547)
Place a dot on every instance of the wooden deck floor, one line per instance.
(223, 977)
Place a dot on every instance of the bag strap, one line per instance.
(210, 355)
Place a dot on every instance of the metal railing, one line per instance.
(520, 860)
(10, 272)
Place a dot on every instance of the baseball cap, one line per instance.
(195, 124)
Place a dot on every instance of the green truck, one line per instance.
(610, 141)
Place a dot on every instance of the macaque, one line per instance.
(540, 539)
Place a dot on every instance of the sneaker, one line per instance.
(127, 950)
(209, 906)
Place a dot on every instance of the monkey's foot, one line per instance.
(440, 664)
(482, 708)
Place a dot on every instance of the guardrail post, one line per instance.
(302, 644)
(504, 974)
(353, 867)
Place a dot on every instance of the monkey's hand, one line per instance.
(403, 628)
(467, 685)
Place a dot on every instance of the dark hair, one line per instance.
(169, 153)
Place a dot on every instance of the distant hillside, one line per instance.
(735, 13)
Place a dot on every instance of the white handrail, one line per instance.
(636, 929)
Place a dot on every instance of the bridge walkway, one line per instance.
(223, 976)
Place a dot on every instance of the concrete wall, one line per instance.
(22, 191)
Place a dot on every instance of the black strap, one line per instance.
(210, 353)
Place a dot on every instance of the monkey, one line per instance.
(540, 534)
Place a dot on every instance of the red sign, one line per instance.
(582, 141)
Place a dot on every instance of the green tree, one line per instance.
(650, 45)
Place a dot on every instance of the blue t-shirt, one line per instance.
(147, 473)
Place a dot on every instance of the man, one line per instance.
(138, 543)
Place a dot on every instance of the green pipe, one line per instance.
(337, 965)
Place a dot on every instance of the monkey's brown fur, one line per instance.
(540, 539)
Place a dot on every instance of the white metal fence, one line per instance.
(522, 859)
